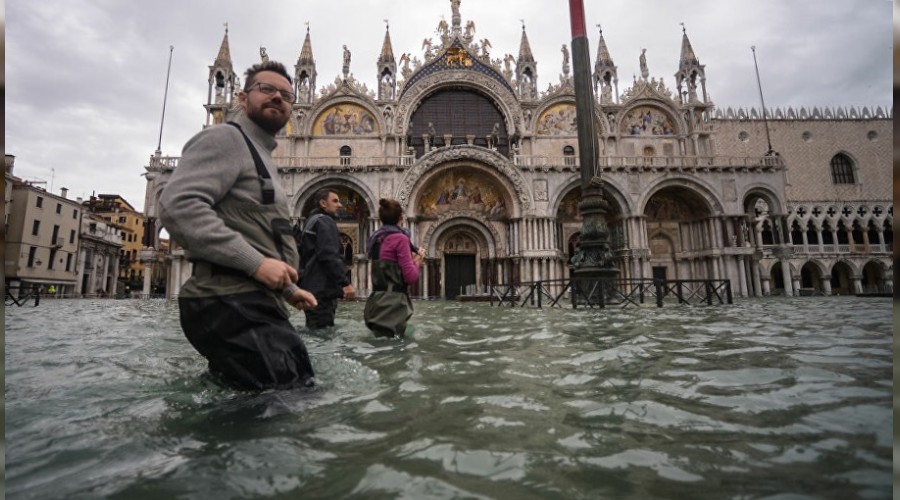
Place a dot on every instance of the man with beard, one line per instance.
(223, 206)
(324, 271)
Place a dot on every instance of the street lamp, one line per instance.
(592, 262)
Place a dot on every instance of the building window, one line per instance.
(36, 228)
(55, 234)
(52, 258)
(68, 262)
(39, 202)
(842, 170)
(72, 236)
(32, 251)
(569, 156)
(346, 151)
(58, 208)
(123, 219)
(74, 214)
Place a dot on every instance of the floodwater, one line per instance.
(766, 398)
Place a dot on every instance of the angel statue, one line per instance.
(486, 48)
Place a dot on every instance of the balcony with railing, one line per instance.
(689, 164)
(829, 249)
(304, 163)
(656, 163)
(343, 163)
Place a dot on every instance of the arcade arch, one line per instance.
(681, 234)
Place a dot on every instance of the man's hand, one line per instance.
(275, 274)
(349, 292)
(299, 298)
(418, 259)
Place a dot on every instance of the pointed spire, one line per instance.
(222, 84)
(690, 72)
(223, 59)
(306, 54)
(305, 72)
(603, 57)
(688, 58)
(526, 69)
(525, 54)
(606, 74)
(387, 51)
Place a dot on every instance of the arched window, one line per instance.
(768, 238)
(796, 234)
(812, 236)
(569, 156)
(346, 151)
(872, 229)
(857, 233)
(842, 170)
(842, 234)
(827, 233)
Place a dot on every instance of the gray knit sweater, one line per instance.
(216, 163)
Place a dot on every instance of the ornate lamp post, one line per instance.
(593, 265)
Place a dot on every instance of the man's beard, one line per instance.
(271, 124)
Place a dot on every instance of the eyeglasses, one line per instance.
(267, 89)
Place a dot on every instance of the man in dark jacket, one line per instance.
(324, 272)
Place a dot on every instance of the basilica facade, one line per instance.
(486, 166)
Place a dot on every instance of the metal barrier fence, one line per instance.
(19, 296)
(602, 293)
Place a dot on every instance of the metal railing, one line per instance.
(676, 163)
(659, 162)
(20, 295)
(601, 293)
(814, 248)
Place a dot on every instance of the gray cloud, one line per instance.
(85, 79)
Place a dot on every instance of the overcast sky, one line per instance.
(85, 78)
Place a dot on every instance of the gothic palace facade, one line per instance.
(486, 166)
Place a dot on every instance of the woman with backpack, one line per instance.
(395, 266)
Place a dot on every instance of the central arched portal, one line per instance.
(460, 251)
(462, 257)
(462, 211)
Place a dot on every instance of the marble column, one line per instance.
(148, 271)
(757, 284)
(786, 277)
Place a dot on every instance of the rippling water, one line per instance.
(764, 398)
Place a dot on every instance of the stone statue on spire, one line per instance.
(455, 19)
(645, 72)
(346, 68)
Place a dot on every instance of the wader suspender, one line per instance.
(279, 226)
(265, 180)
(375, 254)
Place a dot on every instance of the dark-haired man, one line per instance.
(324, 271)
(223, 206)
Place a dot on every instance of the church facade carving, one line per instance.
(486, 167)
